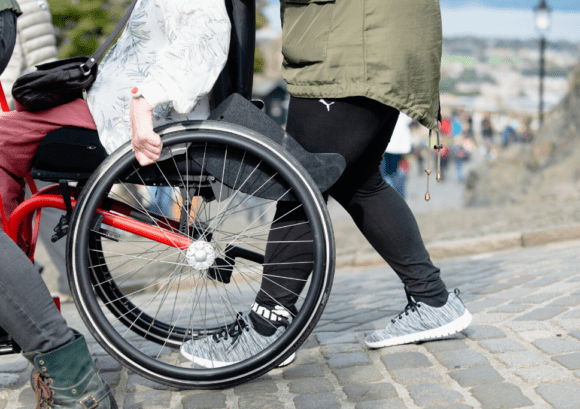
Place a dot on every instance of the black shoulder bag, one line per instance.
(59, 82)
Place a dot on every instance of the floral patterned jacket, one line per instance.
(173, 50)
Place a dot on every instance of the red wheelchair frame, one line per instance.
(23, 224)
(19, 225)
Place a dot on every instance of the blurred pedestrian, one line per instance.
(163, 200)
(468, 125)
(399, 146)
(446, 130)
(510, 132)
(527, 135)
(457, 127)
(419, 145)
(487, 129)
(461, 154)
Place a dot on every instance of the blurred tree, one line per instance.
(81, 26)
(261, 22)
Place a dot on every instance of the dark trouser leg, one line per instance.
(386, 221)
(283, 283)
(359, 129)
(27, 311)
(56, 251)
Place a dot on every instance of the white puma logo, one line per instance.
(327, 104)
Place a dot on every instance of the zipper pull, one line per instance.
(85, 95)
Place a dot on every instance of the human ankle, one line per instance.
(261, 325)
(266, 320)
(436, 301)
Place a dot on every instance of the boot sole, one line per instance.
(206, 363)
(448, 329)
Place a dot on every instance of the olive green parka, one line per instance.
(386, 50)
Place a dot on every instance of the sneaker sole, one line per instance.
(448, 329)
(206, 363)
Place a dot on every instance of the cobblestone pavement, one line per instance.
(522, 349)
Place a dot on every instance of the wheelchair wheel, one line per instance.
(215, 188)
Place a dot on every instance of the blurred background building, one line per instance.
(490, 80)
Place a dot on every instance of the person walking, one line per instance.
(351, 67)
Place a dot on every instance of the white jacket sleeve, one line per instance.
(197, 44)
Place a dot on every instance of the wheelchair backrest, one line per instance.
(238, 74)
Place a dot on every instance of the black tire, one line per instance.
(137, 334)
(7, 37)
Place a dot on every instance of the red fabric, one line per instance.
(20, 135)
(445, 126)
(404, 165)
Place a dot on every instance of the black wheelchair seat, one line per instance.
(75, 153)
(324, 168)
(68, 153)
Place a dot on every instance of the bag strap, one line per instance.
(88, 66)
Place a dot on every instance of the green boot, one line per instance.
(68, 378)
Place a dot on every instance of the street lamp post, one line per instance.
(542, 17)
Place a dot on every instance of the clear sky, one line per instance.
(494, 18)
(561, 5)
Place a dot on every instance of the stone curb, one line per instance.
(469, 246)
(365, 256)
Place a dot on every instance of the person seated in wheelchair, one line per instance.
(161, 69)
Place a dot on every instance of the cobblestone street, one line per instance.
(522, 349)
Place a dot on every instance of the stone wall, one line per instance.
(548, 169)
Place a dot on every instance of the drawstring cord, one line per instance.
(438, 147)
(428, 170)
(43, 392)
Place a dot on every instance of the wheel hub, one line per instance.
(200, 255)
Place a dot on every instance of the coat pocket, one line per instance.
(306, 27)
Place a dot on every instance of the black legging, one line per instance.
(359, 129)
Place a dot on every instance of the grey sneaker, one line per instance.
(420, 321)
(235, 343)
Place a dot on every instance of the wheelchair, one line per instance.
(147, 277)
